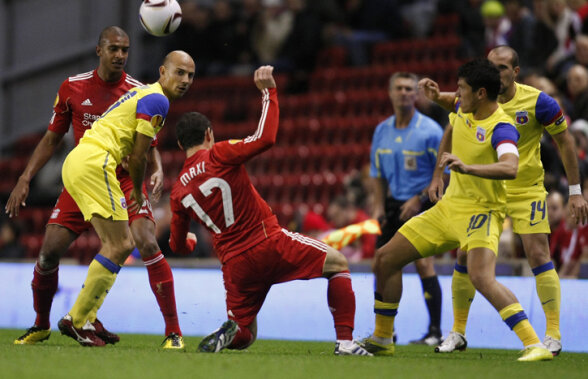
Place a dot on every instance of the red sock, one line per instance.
(162, 285)
(44, 286)
(242, 339)
(341, 301)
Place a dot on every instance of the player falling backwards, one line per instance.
(214, 189)
(532, 111)
(80, 101)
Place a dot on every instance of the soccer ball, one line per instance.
(160, 17)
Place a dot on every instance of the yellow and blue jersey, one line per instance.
(532, 111)
(406, 157)
(141, 110)
(475, 142)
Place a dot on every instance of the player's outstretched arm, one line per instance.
(567, 149)
(43, 152)
(431, 90)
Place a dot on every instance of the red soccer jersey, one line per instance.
(83, 98)
(214, 189)
(566, 244)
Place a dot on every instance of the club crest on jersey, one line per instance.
(521, 117)
(480, 134)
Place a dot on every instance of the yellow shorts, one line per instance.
(450, 224)
(527, 210)
(89, 175)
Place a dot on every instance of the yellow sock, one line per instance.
(514, 316)
(101, 276)
(94, 312)
(385, 313)
(463, 292)
(549, 292)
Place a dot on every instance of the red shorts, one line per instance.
(66, 212)
(282, 257)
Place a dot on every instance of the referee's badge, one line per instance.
(480, 134)
(410, 163)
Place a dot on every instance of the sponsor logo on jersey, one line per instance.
(521, 117)
(480, 134)
(55, 213)
(87, 103)
(123, 203)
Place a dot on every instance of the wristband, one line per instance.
(575, 189)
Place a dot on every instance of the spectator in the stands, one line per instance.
(496, 24)
(565, 24)
(555, 208)
(577, 83)
(521, 35)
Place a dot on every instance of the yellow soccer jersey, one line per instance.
(532, 110)
(475, 142)
(142, 109)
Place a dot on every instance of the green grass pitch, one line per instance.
(139, 356)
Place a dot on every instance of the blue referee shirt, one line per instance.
(405, 158)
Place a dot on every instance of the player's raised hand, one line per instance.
(430, 88)
(579, 209)
(264, 78)
(17, 198)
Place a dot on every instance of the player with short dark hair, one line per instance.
(214, 189)
(533, 112)
(80, 101)
(482, 141)
(402, 161)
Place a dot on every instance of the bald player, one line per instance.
(126, 129)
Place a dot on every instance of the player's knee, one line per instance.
(481, 281)
(147, 248)
(335, 262)
(50, 254)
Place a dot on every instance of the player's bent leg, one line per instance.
(432, 293)
(536, 247)
(388, 263)
(481, 267)
(56, 241)
(116, 246)
(161, 279)
(463, 292)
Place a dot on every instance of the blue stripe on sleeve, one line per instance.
(504, 132)
(547, 109)
(153, 104)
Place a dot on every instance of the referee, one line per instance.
(402, 160)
